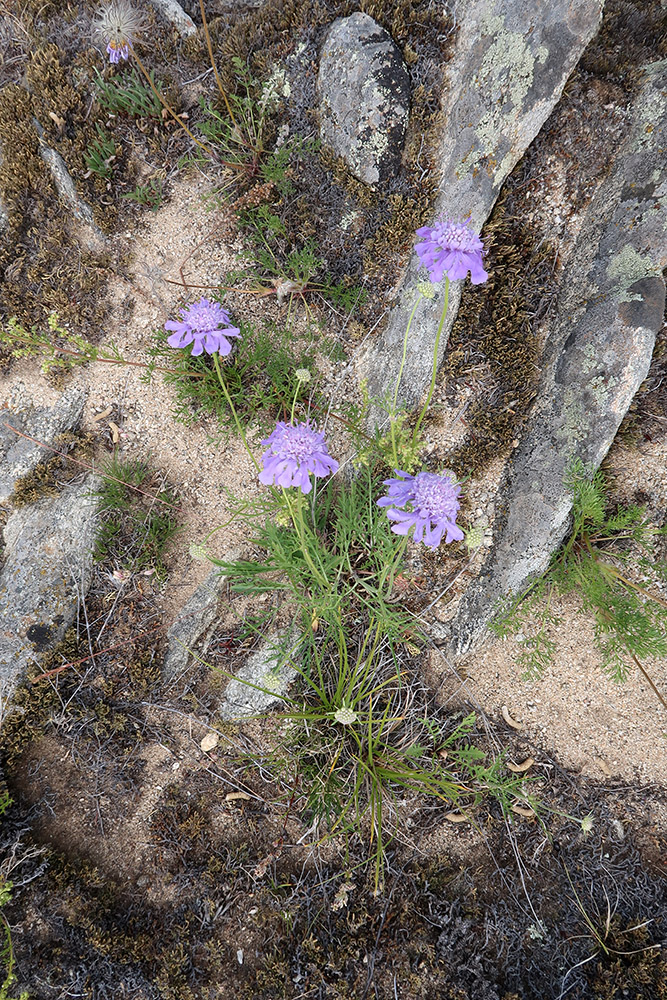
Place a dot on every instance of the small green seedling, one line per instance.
(609, 551)
(149, 194)
(101, 154)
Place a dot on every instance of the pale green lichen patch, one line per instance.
(628, 266)
(590, 360)
(575, 426)
(275, 89)
(601, 387)
(507, 73)
(652, 112)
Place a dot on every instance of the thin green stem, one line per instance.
(300, 528)
(392, 415)
(435, 363)
(391, 569)
(612, 571)
(95, 355)
(296, 396)
(216, 362)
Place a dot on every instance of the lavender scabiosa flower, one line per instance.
(201, 324)
(118, 24)
(433, 505)
(295, 452)
(452, 249)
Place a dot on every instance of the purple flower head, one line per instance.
(118, 24)
(116, 54)
(433, 506)
(453, 249)
(201, 324)
(295, 452)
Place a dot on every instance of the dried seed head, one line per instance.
(118, 24)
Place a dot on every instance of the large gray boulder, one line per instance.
(364, 97)
(46, 573)
(511, 61)
(18, 454)
(609, 311)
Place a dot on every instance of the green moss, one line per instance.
(629, 966)
(35, 703)
(138, 517)
(36, 277)
(493, 339)
(642, 26)
(46, 478)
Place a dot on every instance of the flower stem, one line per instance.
(300, 528)
(392, 414)
(391, 570)
(216, 362)
(296, 395)
(435, 364)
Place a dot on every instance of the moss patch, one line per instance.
(632, 33)
(493, 341)
(46, 478)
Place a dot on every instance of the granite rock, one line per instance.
(18, 455)
(243, 696)
(364, 97)
(511, 61)
(46, 572)
(174, 13)
(192, 624)
(600, 344)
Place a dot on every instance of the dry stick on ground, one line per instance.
(107, 649)
(201, 243)
(262, 292)
(648, 678)
(90, 468)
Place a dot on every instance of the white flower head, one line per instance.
(587, 824)
(345, 716)
(474, 537)
(118, 24)
(426, 289)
